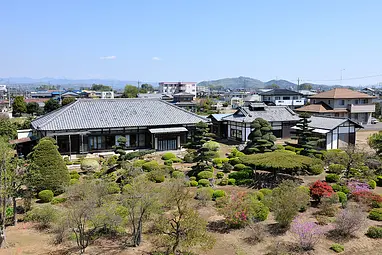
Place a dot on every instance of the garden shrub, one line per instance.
(234, 161)
(177, 175)
(58, 200)
(336, 187)
(192, 178)
(168, 155)
(45, 196)
(374, 232)
(320, 189)
(225, 160)
(218, 193)
(256, 195)
(367, 197)
(239, 167)
(157, 176)
(217, 161)
(336, 168)
(231, 181)
(241, 175)
(227, 167)
(189, 158)
(332, 178)
(139, 162)
(168, 162)
(113, 188)
(90, 165)
(219, 175)
(223, 182)
(316, 169)
(177, 160)
(290, 148)
(204, 183)
(349, 221)
(74, 181)
(74, 175)
(205, 175)
(280, 147)
(193, 183)
(219, 166)
(136, 154)
(342, 198)
(111, 161)
(266, 192)
(307, 233)
(204, 193)
(372, 184)
(379, 180)
(337, 247)
(150, 166)
(44, 215)
(328, 207)
(126, 187)
(336, 156)
(376, 214)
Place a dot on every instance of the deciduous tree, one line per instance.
(130, 91)
(19, 106)
(51, 105)
(33, 108)
(68, 100)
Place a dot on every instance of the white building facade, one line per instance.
(171, 88)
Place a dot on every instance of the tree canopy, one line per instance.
(51, 105)
(130, 91)
(261, 139)
(101, 87)
(145, 87)
(33, 108)
(68, 100)
(8, 130)
(18, 105)
(304, 134)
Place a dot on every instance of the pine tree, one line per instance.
(47, 169)
(261, 139)
(201, 135)
(304, 134)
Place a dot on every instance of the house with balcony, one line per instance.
(342, 102)
(171, 88)
(283, 97)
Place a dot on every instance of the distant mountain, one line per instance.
(234, 83)
(116, 84)
(281, 83)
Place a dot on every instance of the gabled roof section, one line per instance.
(341, 93)
(320, 107)
(280, 92)
(219, 116)
(329, 123)
(270, 113)
(112, 113)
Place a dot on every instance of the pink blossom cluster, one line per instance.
(307, 233)
(356, 186)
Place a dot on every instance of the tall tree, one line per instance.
(51, 105)
(47, 168)
(261, 139)
(101, 87)
(68, 100)
(18, 105)
(305, 86)
(201, 135)
(130, 91)
(375, 142)
(145, 87)
(33, 108)
(304, 134)
(8, 129)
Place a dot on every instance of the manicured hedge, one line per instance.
(193, 183)
(45, 196)
(336, 168)
(204, 183)
(168, 155)
(374, 232)
(241, 175)
(136, 154)
(239, 167)
(280, 161)
(219, 175)
(376, 214)
(372, 184)
(205, 175)
(177, 175)
(150, 166)
(218, 193)
(332, 178)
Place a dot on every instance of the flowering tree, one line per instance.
(320, 189)
(307, 233)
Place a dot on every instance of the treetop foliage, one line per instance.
(261, 139)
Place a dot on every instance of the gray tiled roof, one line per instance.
(109, 113)
(270, 113)
(328, 123)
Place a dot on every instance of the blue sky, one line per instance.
(192, 40)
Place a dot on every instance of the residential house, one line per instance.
(177, 87)
(254, 98)
(185, 100)
(219, 126)
(336, 133)
(281, 118)
(342, 102)
(283, 97)
(95, 125)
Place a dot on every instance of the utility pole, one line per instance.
(138, 84)
(298, 83)
(341, 75)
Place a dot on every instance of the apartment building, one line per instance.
(171, 88)
(283, 97)
(342, 102)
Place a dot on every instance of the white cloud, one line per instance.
(156, 59)
(108, 57)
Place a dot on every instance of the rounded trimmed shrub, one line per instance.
(168, 162)
(217, 161)
(139, 162)
(74, 181)
(157, 176)
(336, 168)
(176, 160)
(219, 175)
(374, 232)
(46, 196)
(150, 166)
(234, 161)
(316, 169)
(177, 175)
(260, 211)
(204, 193)
(332, 178)
(218, 193)
(372, 184)
(257, 195)
(227, 167)
(376, 214)
(337, 247)
(74, 175)
(336, 187)
(239, 167)
(231, 181)
(204, 183)
(193, 183)
(58, 200)
(223, 182)
(266, 192)
(192, 178)
(90, 165)
(205, 175)
(168, 155)
(342, 198)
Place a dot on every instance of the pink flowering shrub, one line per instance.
(307, 233)
(356, 186)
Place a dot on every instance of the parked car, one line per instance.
(374, 121)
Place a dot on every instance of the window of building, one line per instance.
(342, 102)
(286, 98)
(295, 97)
(329, 102)
(364, 101)
(356, 101)
(277, 98)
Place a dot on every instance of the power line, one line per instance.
(348, 79)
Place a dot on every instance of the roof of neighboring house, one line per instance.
(341, 93)
(150, 95)
(269, 113)
(112, 113)
(252, 98)
(281, 92)
(218, 117)
(307, 92)
(320, 108)
(36, 100)
(70, 94)
(329, 123)
(183, 94)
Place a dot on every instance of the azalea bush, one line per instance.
(307, 233)
(320, 189)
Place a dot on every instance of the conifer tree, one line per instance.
(201, 135)
(304, 134)
(261, 139)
